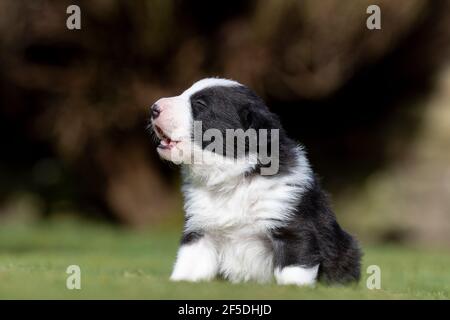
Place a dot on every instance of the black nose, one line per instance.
(156, 110)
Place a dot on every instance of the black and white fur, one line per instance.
(241, 225)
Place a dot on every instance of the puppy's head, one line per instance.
(184, 123)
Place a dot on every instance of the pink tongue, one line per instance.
(168, 142)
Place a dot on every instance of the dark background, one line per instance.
(371, 106)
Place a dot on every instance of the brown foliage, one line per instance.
(85, 93)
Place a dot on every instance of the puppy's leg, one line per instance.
(197, 259)
(296, 258)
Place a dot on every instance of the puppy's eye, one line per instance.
(200, 103)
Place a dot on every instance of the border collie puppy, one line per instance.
(241, 224)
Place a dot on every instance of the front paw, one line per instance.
(191, 275)
(195, 262)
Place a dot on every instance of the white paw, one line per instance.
(191, 276)
(195, 262)
(297, 275)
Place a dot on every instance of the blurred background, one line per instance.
(371, 107)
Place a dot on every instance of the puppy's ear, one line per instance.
(258, 118)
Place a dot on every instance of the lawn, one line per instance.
(123, 264)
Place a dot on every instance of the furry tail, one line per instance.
(341, 260)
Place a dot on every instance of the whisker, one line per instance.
(153, 135)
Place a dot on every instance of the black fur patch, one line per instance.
(238, 107)
(189, 237)
(313, 236)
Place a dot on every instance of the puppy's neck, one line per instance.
(221, 172)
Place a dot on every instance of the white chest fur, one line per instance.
(236, 219)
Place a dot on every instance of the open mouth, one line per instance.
(165, 141)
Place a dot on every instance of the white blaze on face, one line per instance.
(175, 119)
(174, 124)
(208, 83)
(173, 127)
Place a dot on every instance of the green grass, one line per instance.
(124, 264)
